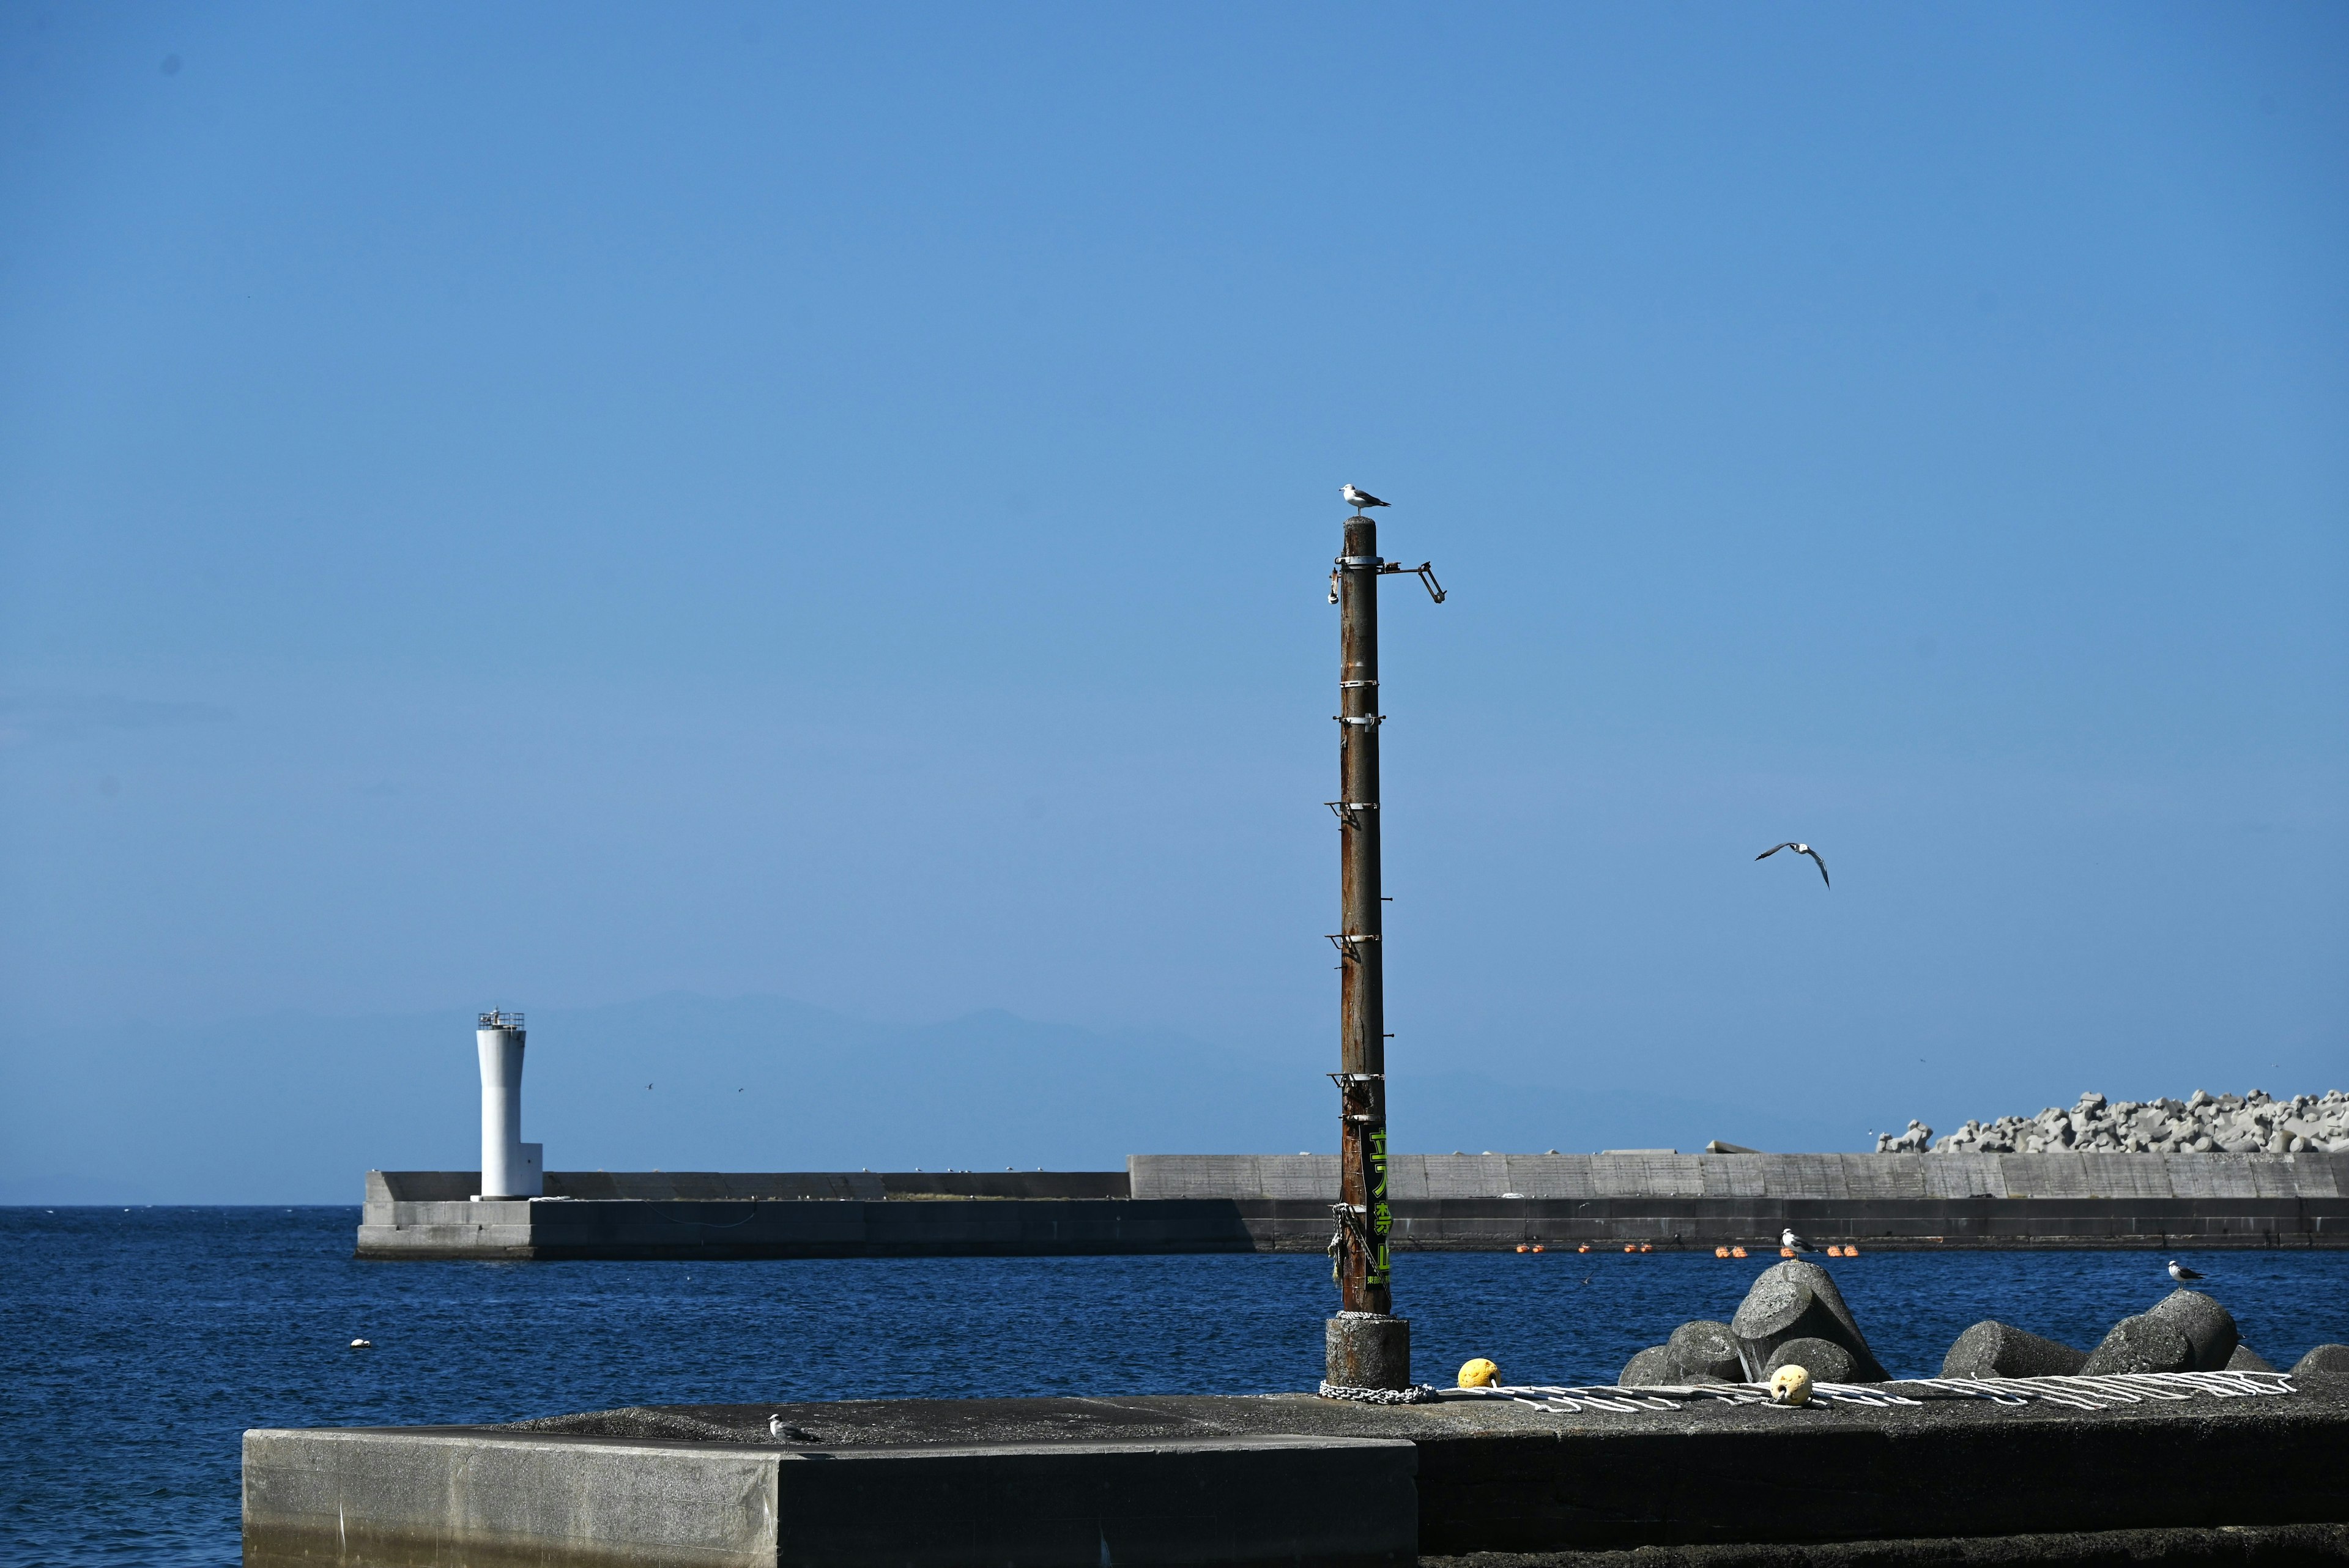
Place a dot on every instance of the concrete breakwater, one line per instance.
(1667, 1199)
(1195, 1203)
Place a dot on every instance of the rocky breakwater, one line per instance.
(2256, 1122)
(1794, 1316)
(2186, 1331)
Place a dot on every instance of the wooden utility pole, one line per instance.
(1363, 1221)
(1369, 1347)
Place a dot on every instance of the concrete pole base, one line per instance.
(1367, 1350)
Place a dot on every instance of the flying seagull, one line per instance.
(1799, 849)
(1359, 499)
(1795, 1243)
(2181, 1274)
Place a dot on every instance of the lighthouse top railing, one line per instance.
(498, 1018)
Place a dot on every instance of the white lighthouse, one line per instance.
(510, 1168)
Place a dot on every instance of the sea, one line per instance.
(136, 1345)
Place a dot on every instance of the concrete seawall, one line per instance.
(1194, 1203)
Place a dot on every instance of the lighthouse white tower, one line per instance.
(510, 1168)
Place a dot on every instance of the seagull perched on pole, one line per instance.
(1799, 849)
(2181, 1274)
(1359, 499)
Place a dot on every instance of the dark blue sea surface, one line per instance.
(137, 1345)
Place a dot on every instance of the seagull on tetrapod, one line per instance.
(1794, 1243)
(2181, 1274)
(1359, 499)
(1799, 849)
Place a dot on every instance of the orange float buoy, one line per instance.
(1584, 1248)
(1849, 1251)
(1523, 1248)
(1833, 1250)
(1785, 1251)
(1737, 1251)
(1628, 1248)
(1537, 1246)
(1645, 1247)
(1721, 1251)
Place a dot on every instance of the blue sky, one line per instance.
(562, 505)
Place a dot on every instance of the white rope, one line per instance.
(2077, 1393)
(2115, 1388)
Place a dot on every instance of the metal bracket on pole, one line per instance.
(1424, 572)
(1372, 720)
(1350, 1086)
(1344, 944)
(1343, 810)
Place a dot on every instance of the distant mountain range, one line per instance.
(295, 1109)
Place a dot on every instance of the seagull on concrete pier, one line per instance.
(1799, 849)
(1360, 499)
(2181, 1274)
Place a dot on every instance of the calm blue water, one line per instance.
(135, 1346)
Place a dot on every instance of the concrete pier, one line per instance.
(1076, 1482)
(1242, 1203)
(391, 1498)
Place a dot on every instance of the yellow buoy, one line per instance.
(1479, 1374)
(1790, 1385)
